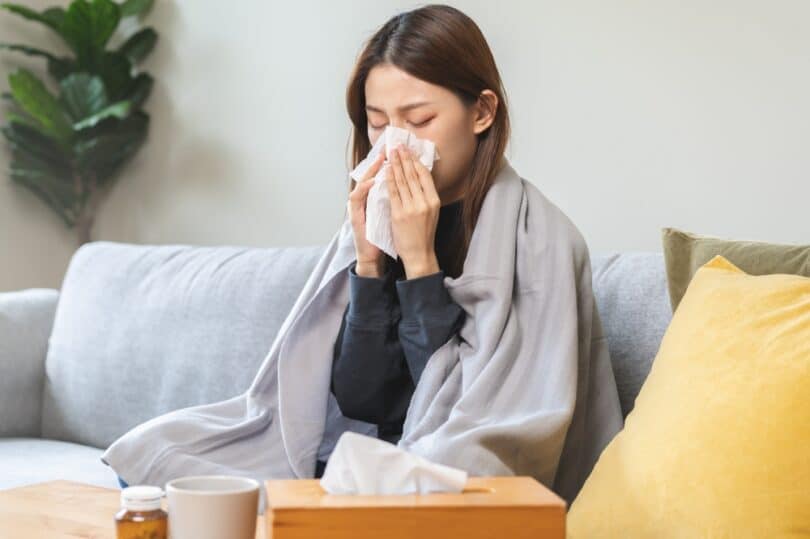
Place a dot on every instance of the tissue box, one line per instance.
(491, 507)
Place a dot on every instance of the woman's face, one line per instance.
(430, 112)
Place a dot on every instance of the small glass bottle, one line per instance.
(141, 515)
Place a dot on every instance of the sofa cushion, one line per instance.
(717, 444)
(141, 330)
(26, 320)
(24, 461)
(631, 295)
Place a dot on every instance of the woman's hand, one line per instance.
(370, 260)
(414, 212)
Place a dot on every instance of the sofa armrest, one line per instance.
(26, 320)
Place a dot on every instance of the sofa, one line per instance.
(139, 330)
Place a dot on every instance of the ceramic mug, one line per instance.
(212, 507)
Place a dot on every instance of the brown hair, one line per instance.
(440, 45)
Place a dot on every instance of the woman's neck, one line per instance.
(454, 195)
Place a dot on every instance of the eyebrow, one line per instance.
(402, 108)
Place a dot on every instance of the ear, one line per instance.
(485, 109)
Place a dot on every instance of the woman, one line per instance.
(400, 312)
(480, 347)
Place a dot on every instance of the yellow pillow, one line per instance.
(718, 443)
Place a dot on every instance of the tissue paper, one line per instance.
(360, 464)
(378, 205)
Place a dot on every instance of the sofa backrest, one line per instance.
(141, 330)
(633, 301)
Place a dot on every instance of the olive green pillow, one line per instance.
(685, 252)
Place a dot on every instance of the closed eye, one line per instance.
(421, 124)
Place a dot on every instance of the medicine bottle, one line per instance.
(141, 515)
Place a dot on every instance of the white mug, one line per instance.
(212, 507)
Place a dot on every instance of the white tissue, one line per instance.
(360, 464)
(378, 205)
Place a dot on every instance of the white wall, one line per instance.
(630, 115)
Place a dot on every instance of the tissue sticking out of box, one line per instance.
(360, 464)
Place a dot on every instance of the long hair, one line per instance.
(440, 45)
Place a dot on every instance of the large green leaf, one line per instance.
(46, 195)
(58, 67)
(14, 114)
(110, 144)
(82, 95)
(88, 25)
(139, 90)
(25, 49)
(57, 192)
(118, 110)
(36, 162)
(40, 165)
(139, 45)
(32, 96)
(51, 17)
(24, 158)
(136, 7)
(55, 15)
(24, 119)
(30, 140)
(116, 72)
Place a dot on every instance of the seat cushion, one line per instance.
(717, 444)
(141, 330)
(633, 302)
(24, 461)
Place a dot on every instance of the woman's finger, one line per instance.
(399, 176)
(359, 195)
(375, 167)
(412, 178)
(393, 191)
(426, 181)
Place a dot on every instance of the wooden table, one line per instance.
(62, 510)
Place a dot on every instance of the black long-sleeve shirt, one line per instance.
(390, 329)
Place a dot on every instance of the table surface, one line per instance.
(64, 509)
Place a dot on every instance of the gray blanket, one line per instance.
(524, 388)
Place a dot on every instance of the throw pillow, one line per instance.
(717, 444)
(685, 252)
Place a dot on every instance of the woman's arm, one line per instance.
(370, 377)
(429, 317)
(383, 345)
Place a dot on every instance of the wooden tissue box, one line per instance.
(491, 507)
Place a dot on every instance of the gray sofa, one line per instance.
(138, 330)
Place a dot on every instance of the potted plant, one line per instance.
(68, 145)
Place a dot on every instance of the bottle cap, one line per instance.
(141, 498)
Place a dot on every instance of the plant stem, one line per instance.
(83, 226)
(84, 223)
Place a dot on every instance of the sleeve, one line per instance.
(370, 377)
(429, 317)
